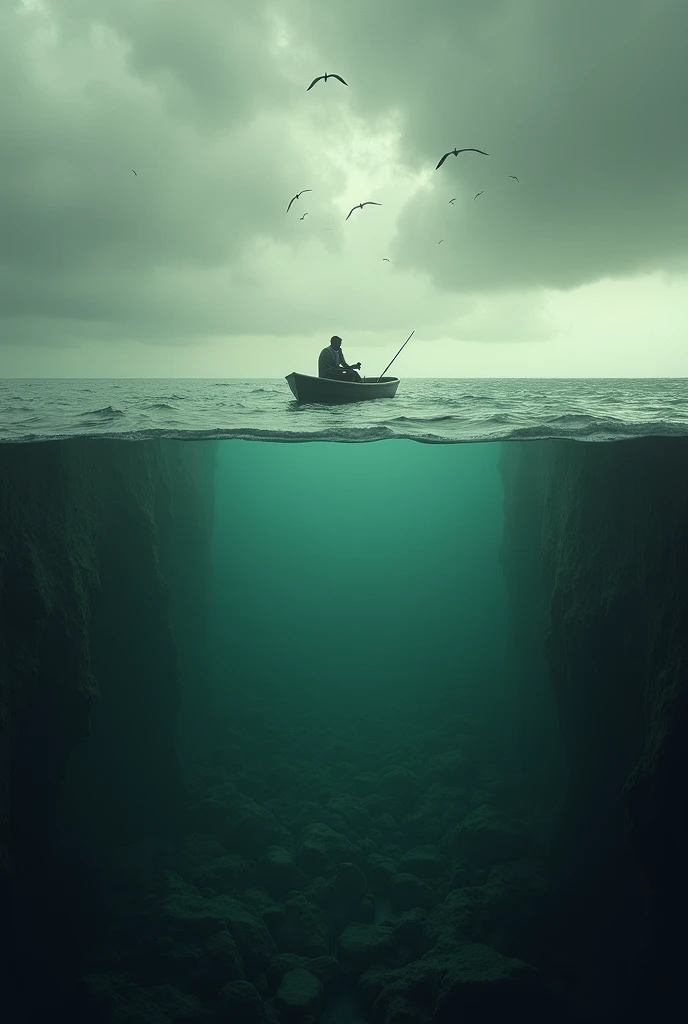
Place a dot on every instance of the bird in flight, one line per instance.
(478, 194)
(514, 177)
(455, 152)
(440, 241)
(305, 215)
(134, 172)
(451, 200)
(297, 196)
(360, 206)
(323, 78)
(385, 260)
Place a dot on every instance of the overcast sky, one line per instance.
(192, 267)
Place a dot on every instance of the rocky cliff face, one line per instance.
(101, 544)
(602, 531)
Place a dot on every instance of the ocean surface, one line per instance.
(444, 411)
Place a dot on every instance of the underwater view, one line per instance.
(346, 733)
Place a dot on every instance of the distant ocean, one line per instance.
(433, 411)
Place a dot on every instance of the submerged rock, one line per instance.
(240, 1001)
(398, 783)
(470, 984)
(241, 824)
(362, 945)
(278, 872)
(350, 881)
(189, 917)
(304, 930)
(199, 969)
(321, 849)
(121, 1001)
(450, 768)
(381, 871)
(482, 985)
(299, 996)
(487, 836)
(424, 862)
(406, 892)
(326, 969)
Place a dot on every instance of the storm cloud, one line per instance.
(584, 102)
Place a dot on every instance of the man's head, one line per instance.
(335, 341)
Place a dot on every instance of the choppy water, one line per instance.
(434, 411)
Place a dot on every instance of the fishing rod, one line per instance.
(400, 350)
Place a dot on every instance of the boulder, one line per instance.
(381, 870)
(118, 1000)
(362, 945)
(278, 873)
(425, 862)
(451, 768)
(241, 824)
(487, 836)
(304, 929)
(240, 1001)
(406, 892)
(325, 968)
(481, 985)
(299, 996)
(398, 783)
(321, 849)
(199, 969)
(188, 917)
(350, 881)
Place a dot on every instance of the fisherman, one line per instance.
(331, 363)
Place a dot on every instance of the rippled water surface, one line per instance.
(434, 411)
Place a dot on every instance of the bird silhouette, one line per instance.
(453, 200)
(297, 196)
(305, 215)
(440, 241)
(385, 260)
(360, 206)
(514, 177)
(323, 78)
(478, 194)
(455, 152)
(134, 172)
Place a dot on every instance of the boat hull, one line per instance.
(339, 392)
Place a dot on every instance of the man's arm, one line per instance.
(343, 362)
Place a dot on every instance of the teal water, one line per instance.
(368, 699)
(360, 571)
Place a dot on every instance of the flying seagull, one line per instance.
(323, 78)
(385, 260)
(360, 206)
(514, 177)
(478, 194)
(297, 196)
(134, 172)
(452, 200)
(440, 241)
(455, 152)
(305, 215)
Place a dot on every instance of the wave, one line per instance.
(107, 413)
(594, 431)
(443, 417)
(160, 405)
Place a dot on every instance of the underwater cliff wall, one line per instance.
(596, 543)
(98, 542)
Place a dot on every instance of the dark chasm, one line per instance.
(340, 733)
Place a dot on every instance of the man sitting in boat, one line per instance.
(331, 363)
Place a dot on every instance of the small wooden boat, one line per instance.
(336, 392)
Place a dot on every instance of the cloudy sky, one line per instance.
(191, 267)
